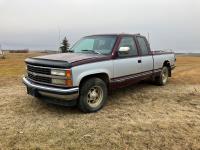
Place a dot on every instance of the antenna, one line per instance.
(148, 37)
(58, 38)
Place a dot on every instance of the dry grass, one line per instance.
(142, 116)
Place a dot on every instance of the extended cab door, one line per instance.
(127, 64)
(146, 57)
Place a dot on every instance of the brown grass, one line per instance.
(141, 116)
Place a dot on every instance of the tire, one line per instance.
(93, 95)
(163, 77)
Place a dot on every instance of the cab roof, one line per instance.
(115, 34)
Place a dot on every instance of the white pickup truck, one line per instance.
(95, 65)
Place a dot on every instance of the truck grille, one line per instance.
(37, 74)
(36, 69)
(39, 78)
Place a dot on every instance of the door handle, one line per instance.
(139, 61)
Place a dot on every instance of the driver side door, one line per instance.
(128, 64)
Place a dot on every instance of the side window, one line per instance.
(128, 42)
(143, 46)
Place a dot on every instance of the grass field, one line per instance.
(142, 116)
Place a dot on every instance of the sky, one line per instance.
(42, 24)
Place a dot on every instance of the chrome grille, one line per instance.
(39, 78)
(39, 74)
(37, 69)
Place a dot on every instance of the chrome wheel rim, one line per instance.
(165, 75)
(95, 96)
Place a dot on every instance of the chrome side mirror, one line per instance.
(124, 49)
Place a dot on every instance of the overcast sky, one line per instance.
(35, 24)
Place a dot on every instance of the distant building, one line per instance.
(2, 54)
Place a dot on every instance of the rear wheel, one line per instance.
(163, 77)
(93, 95)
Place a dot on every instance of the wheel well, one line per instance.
(102, 76)
(167, 64)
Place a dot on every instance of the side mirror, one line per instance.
(124, 49)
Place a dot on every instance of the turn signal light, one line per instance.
(68, 74)
(69, 83)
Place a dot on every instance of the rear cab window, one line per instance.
(143, 45)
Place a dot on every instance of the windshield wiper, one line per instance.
(87, 50)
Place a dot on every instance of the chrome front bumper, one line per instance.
(58, 93)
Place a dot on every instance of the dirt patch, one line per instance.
(141, 116)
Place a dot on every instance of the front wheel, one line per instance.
(163, 77)
(93, 95)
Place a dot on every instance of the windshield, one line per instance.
(95, 44)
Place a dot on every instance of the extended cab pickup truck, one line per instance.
(95, 65)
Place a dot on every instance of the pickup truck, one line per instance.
(95, 65)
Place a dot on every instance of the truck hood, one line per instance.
(66, 60)
(70, 57)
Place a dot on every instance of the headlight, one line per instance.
(58, 72)
(66, 77)
(58, 81)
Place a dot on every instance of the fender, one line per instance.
(92, 72)
(79, 72)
